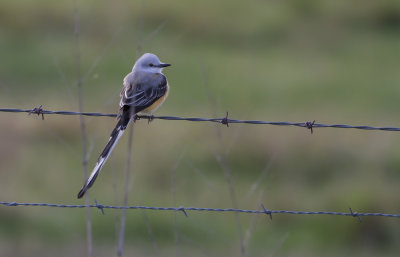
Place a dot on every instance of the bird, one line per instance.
(145, 88)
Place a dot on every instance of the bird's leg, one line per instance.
(150, 118)
(135, 118)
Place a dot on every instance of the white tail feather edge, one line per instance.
(103, 160)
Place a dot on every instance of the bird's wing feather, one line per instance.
(143, 92)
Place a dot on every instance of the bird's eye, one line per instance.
(151, 65)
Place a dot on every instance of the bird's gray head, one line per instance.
(149, 63)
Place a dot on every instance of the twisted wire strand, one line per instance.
(225, 120)
(185, 209)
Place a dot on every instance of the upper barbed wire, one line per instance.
(224, 120)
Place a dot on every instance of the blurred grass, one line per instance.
(332, 61)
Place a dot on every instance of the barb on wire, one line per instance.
(182, 209)
(355, 214)
(185, 209)
(38, 111)
(310, 125)
(224, 120)
(269, 213)
(99, 206)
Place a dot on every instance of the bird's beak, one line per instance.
(163, 65)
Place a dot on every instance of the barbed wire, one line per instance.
(185, 209)
(225, 120)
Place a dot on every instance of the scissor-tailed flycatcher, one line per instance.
(145, 89)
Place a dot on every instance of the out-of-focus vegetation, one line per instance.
(332, 61)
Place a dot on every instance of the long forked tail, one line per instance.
(115, 135)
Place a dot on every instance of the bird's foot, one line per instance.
(150, 118)
(135, 118)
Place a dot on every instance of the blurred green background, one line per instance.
(329, 61)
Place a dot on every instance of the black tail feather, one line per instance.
(115, 134)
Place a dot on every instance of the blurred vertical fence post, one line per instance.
(82, 123)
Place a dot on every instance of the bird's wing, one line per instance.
(143, 92)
